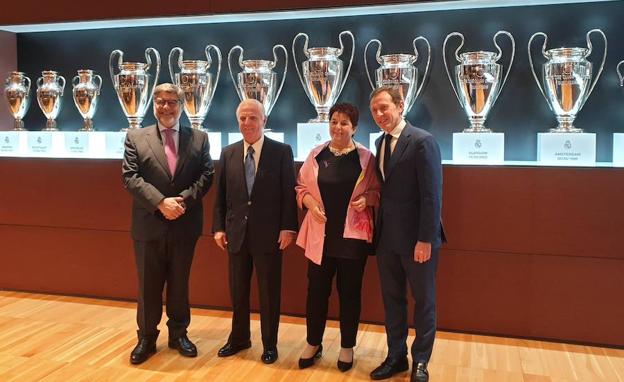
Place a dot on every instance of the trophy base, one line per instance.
(556, 149)
(87, 125)
(478, 148)
(477, 130)
(50, 126)
(564, 130)
(19, 125)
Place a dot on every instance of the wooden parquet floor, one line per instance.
(56, 338)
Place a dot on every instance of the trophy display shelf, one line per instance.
(310, 135)
(566, 149)
(618, 149)
(62, 144)
(479, 148)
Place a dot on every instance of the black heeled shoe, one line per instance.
(307, 362)
(345, 366)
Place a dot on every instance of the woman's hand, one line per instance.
(359, 203)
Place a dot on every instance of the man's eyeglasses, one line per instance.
(169, 102)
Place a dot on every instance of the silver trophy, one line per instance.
(619, 72)
(399, 70)
(86, 91)
(476, 81)
(323, 74)
(258, 80)
(17, 93)
(567, 79)
(50, 87)
(198, 84)
(132, 85)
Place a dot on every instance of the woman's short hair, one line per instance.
(349, 110)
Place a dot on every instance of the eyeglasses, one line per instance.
(169, 102)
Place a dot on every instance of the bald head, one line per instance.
(251, 120)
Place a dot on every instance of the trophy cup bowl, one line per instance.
(257, 80)
(322, 75)
(17, 94)
(476, 80)
(86, 91)
(567, 79)
(399, 70)
(197, 83)
(50, 87)
(132, 85)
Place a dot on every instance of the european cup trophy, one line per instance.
(86, 92)
(195, 79)
(567, 79)
(478, 79)
(399, 70)
(132, 84)
(257, 80)
(50, 87)
(322, 75)
(17, 94)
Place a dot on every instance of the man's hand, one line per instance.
(172, 208)
(422, 252)
(221, 239)
(285, 238)
(359, 203)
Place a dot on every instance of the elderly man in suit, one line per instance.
(167, 169)
(255, 218)
(408, 232)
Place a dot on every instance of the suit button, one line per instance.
(249, 203)
(245, 217)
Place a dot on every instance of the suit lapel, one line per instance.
(184, 136)
(399, 149)
(155, 142)
(377, 150)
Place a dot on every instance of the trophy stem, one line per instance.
(19, 125)
(50, 125)
(477, 125)
(196, 123)
(566, 125)
(135, 123)
(323, 115)
(87, 125)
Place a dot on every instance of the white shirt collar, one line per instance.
(257, 145)
(175, 128)
(396, 132)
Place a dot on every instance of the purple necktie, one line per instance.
(170, 150)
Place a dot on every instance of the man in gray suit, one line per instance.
(167, 169)
(408, 232)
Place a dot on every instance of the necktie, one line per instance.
(250, 169)
(387, 153)
(170, 150)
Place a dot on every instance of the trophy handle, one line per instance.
(279, 90)
(39, 82)
(370, 81)
(27, 81)
(61, 81)
(218, 53)
(73, 81)
(500, 52)
(111, 70)
(305, 51)
(240, 63)
(422, 82)
(448, 73)
(617, 69)
(99, 83)
(604, 58)
(531, 61)
(149, 64)
(170, 61)
(344, 80)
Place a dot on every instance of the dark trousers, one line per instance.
(349, 275)
(269, 275)
(394, 270)
(166, 260)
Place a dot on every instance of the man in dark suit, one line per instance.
(167, 169)
(408, 232)
(255, 218)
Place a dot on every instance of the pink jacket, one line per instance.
(358, 225)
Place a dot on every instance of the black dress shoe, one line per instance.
(184, 345)
(269, 356)
(143, 350)
(420, 373)
(230, 349)
(307, 362)
(389, 367)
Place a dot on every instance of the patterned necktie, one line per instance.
(250, 169)
(387, 153)
(170, 150)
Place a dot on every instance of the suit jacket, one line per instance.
(411, 194)
(147, 177)
(271, 206)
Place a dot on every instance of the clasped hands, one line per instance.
(318, 213)
(172, 207)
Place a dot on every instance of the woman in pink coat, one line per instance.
(338, 186)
